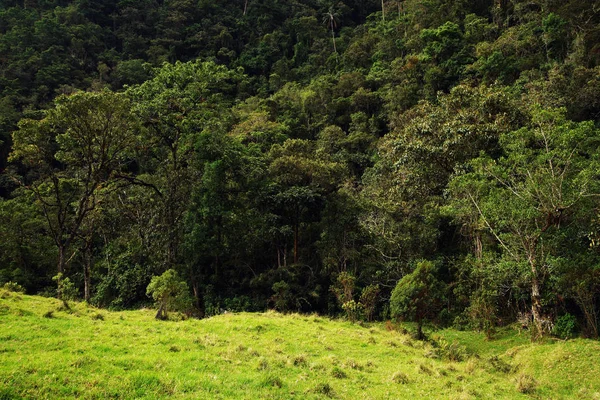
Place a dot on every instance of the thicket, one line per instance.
(265, 149)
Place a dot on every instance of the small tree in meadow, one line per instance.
(169, 292)
(418, 296)
(368, 299)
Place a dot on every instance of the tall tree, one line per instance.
(180, 102)
(331, 18)
(72, 152)
(546, 176)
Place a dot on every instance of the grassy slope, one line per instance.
(250, 356)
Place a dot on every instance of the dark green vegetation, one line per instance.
(306, 155)
(86, 353)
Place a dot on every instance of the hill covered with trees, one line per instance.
(307, 155)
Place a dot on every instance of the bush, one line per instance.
(565, 326)
(353, 310)
(343, 290)
(283, 298)
(238, 304)
(170, 293)
(418, 296)
(66, 289)
(482, 312)
(368, 299)
(13, 287)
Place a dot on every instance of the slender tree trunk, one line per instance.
(334, 46)
(61, 259)
(478, 246)
(87, 275)
(161, 312)
(196, 289)
(278, 257)
(382, 10)
(536, 301)
(296, 243)
(420, 335)
(245, 6)
(61, 270)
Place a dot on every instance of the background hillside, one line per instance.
(300, 155)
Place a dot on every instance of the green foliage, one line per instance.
(524, 198)
(565, 326)
(13, 287)
(353, 310)
(344, 289)
(418, 296)
(66, 289)
(368, 299)
(169, 292)
(266, 147)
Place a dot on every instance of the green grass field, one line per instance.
(49, 352)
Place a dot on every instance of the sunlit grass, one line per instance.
(47, 351)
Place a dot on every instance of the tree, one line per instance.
(418, 296)
(79, 146)
(175, 107)
(544, 181)
(169, 292)
(330, 18)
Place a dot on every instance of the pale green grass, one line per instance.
(77, 354)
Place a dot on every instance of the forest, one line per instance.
(433, 160)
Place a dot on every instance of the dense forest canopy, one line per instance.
(306, 155)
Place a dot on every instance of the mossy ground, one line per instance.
(47, 351)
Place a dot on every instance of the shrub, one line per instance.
(482, 312)
(353, 310)
(283, 297)
(565, 326)
(368, 299)
(238, 304)
(13, 287)
(66, 289)
(344, 287)
(418, 296)
(170, 293)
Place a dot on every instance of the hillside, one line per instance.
(50, 352)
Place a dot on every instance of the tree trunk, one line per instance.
(296, 243)
(536, 303)
(61, 259)
(334, 46)
(196, 289)
(420, 335)
(161, 314)
(87, 281)
(87, 269)
(245, 6)
(382, 10)
(61, 270)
